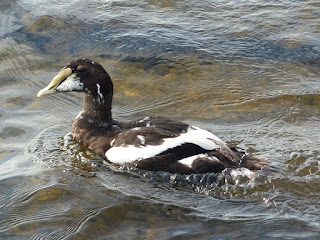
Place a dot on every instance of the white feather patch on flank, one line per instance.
(142, 139)
(129, 153)
(188, 161)
(70, 84)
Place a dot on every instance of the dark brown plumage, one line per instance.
(151, 143)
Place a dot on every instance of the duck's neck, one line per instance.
(97, 110)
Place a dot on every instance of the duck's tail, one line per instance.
(253, 162)
(238, 157)
(246, 160)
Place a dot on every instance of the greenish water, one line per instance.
(247, 71)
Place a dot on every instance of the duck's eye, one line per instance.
(81, 68)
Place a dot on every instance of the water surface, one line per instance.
(246, 70)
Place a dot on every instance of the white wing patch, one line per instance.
(130, 153)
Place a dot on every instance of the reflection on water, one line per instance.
(247, 71)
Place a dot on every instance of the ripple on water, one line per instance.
(267, 198)
(8, 132)
(38, 202)
(250, 69)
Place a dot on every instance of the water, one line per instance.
(246, 70)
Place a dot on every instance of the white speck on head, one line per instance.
(142, 139)
(93, 62)
(99, 92)
(72, 83)
(90, 120)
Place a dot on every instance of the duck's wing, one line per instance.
(153, 139)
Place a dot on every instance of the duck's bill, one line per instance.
(61, 76)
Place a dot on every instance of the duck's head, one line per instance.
(81, 75)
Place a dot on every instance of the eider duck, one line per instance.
(150, 143)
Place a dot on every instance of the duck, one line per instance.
(148, 143)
